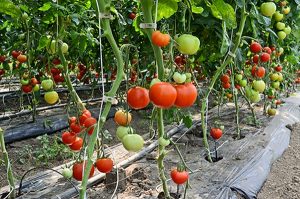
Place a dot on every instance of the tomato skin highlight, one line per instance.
(78, 171)
(163, 94)
(138, 97)
(186, 95)
(179, 177)
(104, 165)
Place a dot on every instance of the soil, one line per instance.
(284, 179)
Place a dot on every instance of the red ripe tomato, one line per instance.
(237, 86)
(179, 177)
(22, 58)
(255, 58)
(273, 48)
(34, 81)
(186, 95)
(163, 94)
(267, 50)
(132, 15)
(83, 118)
(75, 127)
(255, 47)
(138, 97)
(225, 79)
(253, 70)
(160, 39)
(68, 138)
(55, 71)
(78, 171)
(90, 122)
(77, 144)
(2, 58)
(26, 88)
(260, 72)
(104, 165)
(56, 61)
(72, 120)
(229, 72)
(57, 78)
(15, 53)
(278, 68)
(2, 72)
(226, 85)
(216, 133)
(264, 57)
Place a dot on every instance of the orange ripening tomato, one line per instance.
(138, 97)
(160, 39)
(225, 78)
(22, 58)
(186, 95)
(163, 94)
(122, 118)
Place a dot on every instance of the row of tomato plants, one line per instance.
(174, 86)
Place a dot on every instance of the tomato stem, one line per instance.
(227, 61)
(103, 7)
(10, 176)
(147, 6)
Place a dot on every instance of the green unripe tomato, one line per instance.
(268, 9)
(188, 44)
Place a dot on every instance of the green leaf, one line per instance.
(225, 12)
(197, 10)
(188, 120)
(43, 42)
(166, 8)
(46, 6)
(8, 8)
(225, 40)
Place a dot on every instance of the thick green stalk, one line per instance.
(104, 8)
(227, 61)
(10, 176)
(147, 6)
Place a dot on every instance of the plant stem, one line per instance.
(70, 87)
(251, 107)
(147, 6)
(104, 7)
(216, 76)
(235, 98)
(10, 176)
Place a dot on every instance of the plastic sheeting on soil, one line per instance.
(56, 123)
(247, 175)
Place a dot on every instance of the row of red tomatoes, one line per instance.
(163, 95)
(104, 165)
(85, 122)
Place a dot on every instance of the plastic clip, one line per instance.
(106, 16)
(148, 25)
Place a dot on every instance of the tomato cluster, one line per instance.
(56, 72)
(165, 95)
(130, 140)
